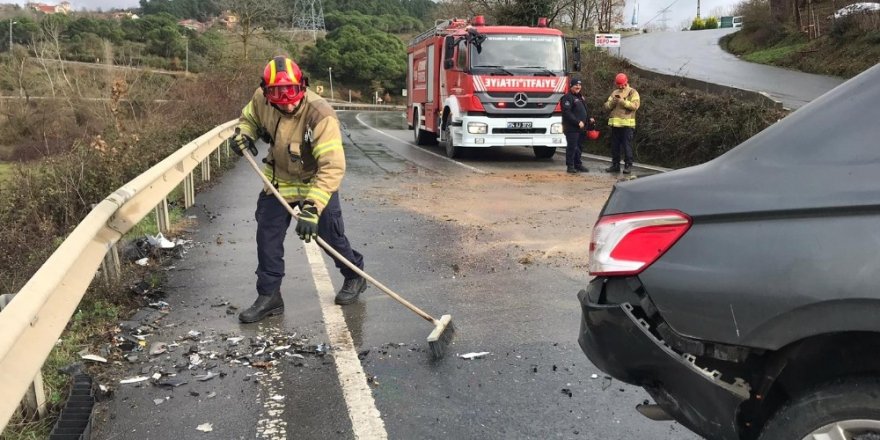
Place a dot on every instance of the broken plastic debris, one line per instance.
(235, 340)
(158, 348)
(134, 379)
(205, 427)
(94, 358)
(474, 355)
(160, 241)
(193, 334)
(277, 397)
(143, 261)
(211, 395)
(158, 401)
(172, 383)
(594, 376)
(206, 377)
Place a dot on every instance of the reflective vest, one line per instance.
(623, 114)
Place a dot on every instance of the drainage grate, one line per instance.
(75, 421)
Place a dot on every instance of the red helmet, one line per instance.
(593, 134)
(621, 79)
(283, 82)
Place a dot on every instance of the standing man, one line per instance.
(306, 164)
(623, 103)
(574, 123)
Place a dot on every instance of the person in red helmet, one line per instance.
(306, 164)
(623, 103)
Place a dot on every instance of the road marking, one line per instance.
(474, 169)
(366, 421)
(272, 427)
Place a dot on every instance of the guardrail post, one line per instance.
(34, 401)
(163, 221)
(189, 191)
(219, 165)
(110, 267)
(206, 169)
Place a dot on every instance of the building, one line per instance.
(62, 8)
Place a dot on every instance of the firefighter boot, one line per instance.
(351, 288)
(265, 305)
(627, 169)
(613, 169)
(581, 169)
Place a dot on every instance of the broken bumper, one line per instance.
(621, 344)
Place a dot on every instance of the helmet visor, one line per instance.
(289, 94)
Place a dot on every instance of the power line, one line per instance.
(662, 12)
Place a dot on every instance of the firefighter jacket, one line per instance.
(623, 114)
(574, 110)
(305, 160)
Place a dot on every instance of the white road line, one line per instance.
(474, 169)
(366, 421)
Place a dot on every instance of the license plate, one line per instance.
(519, 125)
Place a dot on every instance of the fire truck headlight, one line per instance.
(556, 128)
(477, 128)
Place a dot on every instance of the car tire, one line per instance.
(849, 405)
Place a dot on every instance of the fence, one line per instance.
(40, 311)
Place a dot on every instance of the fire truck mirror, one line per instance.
(448, 52)
(448, 64)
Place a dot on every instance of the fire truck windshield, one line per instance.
(528, 54)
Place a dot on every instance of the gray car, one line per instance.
(744, 293)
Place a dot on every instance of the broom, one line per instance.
(443, 332)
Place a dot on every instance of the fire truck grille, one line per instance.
(510, 95)
(519, 130)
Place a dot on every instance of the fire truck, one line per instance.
(470, 85)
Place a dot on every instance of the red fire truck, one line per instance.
(470, 85)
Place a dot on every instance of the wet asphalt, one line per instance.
(697, 55)
(536, 383)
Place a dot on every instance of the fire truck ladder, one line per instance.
(440, 26)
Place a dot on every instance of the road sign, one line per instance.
(607, 40)
(319, 90)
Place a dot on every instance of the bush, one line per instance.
(670, 115)
(711, 23)
(698, 24)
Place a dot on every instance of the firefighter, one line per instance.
(623, 103)
(574, 125)
(306, 164)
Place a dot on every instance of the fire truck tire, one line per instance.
(542, 152)
(451, 150)
(420, 136)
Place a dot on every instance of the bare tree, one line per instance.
(252, 15)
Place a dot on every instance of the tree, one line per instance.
(359, 56)
(252, 16)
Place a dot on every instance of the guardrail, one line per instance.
(36, 317)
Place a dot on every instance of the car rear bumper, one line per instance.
(621, 344)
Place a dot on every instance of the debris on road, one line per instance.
(134, 380)
(475, 355)
(205, 427)
(93, 358)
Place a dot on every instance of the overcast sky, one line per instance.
(88, 4)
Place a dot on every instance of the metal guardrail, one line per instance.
(34, 320)
(342, 105)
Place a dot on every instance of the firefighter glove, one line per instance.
(241, 141)
(307, 223)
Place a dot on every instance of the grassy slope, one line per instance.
(844, 56)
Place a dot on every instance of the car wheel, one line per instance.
(451, 150)
(544, 152)
(841, 410)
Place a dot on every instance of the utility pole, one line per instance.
(330, 71)
(187, 54)
(10, 34)
(698, 9)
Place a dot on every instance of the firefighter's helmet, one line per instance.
(282, 82)
(621, 79)
(593, 134)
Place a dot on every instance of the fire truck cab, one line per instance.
(475, 86)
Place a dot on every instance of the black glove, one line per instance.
(241, 141)
(307, 224)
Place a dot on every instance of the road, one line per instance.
(497, 240)
(697, 55)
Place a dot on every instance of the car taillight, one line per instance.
(626, 244)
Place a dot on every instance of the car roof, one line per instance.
(825, 154)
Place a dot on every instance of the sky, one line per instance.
(679, 10)
(105, 5)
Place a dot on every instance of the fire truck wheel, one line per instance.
(420, 136)
(451, 150)
(544, 152)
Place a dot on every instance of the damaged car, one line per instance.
(744, 293)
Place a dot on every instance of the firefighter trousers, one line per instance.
(573, 143)
(621, 142)
(273, 221)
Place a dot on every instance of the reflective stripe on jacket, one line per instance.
(623, 114)
(305, 159)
